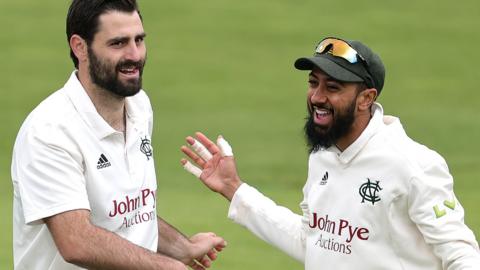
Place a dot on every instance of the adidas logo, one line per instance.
(103, 162)
(324, 179)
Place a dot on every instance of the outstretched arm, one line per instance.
(277, 225)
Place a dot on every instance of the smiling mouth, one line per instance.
(321, 111)
(129, 70)
(322, 115)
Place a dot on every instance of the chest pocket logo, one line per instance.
(324, 179)
(146, 147)
(369, 191)
(103, 162)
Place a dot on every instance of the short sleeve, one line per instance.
(47, 173)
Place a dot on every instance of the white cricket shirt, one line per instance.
(67, 157)
(386, 202)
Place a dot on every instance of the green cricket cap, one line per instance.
(368, 69)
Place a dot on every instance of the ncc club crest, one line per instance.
(369, 191)
(146, 147)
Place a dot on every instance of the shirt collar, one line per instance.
(375, 123)
(84, 106)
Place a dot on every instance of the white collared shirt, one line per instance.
(385, 202)
(67, 157)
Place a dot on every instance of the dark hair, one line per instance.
(82, 17)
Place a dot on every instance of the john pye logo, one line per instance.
(344, 229)
(132, 208)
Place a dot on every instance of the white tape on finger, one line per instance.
(189, 167)
(225, 148)
(201, 150)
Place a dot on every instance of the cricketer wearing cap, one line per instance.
(83, 169)
(373, 199)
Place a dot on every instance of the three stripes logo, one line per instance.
(103, 162)
(324, 179)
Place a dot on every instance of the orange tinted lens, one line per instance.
(337, 47)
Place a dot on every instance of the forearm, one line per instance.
(88, 246)
(272, 223)
(113, 252)
(172, 243)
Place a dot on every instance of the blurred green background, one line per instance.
(226, 67)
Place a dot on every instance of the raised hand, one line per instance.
(213, 164)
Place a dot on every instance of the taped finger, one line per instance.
(201, 150)
(225, 147)
(192, 169)
(198, 161)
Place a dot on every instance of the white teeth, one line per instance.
(321, 112)
(128, 70)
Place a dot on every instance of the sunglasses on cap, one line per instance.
(339, 48)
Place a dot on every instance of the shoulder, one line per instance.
(55, 110)
(51, 121)
(401, 149)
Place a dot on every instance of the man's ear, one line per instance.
(79, 48)
(366, 98)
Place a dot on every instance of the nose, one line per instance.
(317, 95)
(134, 52)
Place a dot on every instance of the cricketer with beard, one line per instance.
(373, 199)
(83, 170)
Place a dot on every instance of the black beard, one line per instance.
(320, 137)
(105, 75)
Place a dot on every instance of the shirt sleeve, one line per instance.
(440, 218)
(274, 224)
(48, 174)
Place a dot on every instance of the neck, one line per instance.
(110, 106)
(359, 125)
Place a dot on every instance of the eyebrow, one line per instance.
(329, 79)
(125, 38)
(335, 81)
